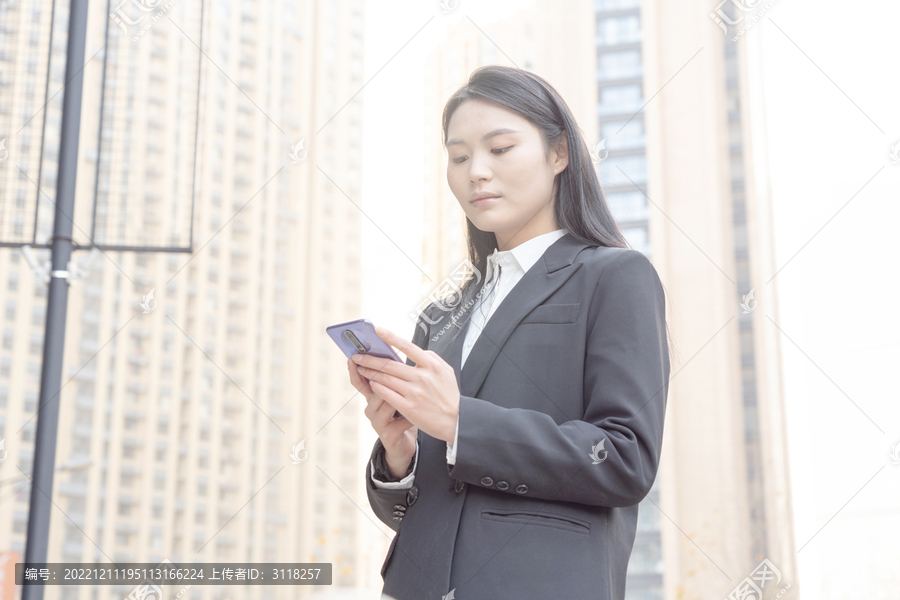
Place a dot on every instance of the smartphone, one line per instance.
(359, 337)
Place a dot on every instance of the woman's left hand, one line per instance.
(427, 394)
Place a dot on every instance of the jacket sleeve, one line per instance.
(626, 373)
(397, 484)
(390, 504)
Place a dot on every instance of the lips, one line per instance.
(482, 197)
(484, 201)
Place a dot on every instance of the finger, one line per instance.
(383, 365)
(387, 413)
(379, 412)
(374, 402)
(400, 386)
(407, 347)
(358, 381)
(390, 397)
(397, 426)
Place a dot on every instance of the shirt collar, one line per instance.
(527, 253)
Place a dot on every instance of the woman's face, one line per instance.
(494, 149)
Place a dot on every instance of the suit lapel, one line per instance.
(546, 276)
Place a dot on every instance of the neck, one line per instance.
(544, 221)
(509, 240)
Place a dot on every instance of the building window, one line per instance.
(628, 206)
(623, 64)
(623, 170)
(623, 134)
(615, 99)
(618, 30)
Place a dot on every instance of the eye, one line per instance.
(459, 160)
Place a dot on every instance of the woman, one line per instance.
(533, 404)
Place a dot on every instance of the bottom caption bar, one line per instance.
(169, 573)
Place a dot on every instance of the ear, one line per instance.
(559, 155)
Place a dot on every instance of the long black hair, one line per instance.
(579, 205)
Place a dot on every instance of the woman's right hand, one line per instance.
(398, 436)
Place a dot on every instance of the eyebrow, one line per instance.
(486, 136)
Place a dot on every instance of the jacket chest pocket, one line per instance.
(530, 517)
(553, 313)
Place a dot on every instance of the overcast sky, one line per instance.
(832, 90)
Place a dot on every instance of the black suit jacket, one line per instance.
(535, 507)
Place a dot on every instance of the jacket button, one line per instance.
(397, 518)
(398, 513)
(459, 486)
(522, 488)
(502, 485)
(487, 481)
(399, 507)
(412, 495)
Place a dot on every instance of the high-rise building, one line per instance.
(216, 412)
(682, 169)
(725, 480)
(623, 179)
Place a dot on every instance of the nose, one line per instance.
(479, 169)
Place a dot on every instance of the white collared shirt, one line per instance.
(513, 264)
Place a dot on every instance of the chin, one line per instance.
(482, 224)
